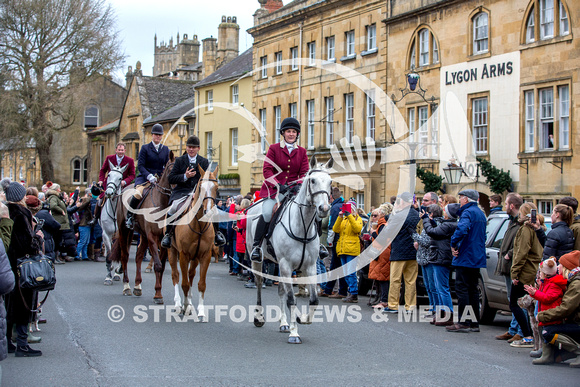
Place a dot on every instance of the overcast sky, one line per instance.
(139, 20)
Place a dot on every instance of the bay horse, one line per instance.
(149, 224)
(194, 241)
(108, 218)
(295, 242)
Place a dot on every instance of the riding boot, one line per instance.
(166, 242)
(219, 239)
(130, 215)
(261, 230)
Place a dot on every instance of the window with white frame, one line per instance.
(350, 44)
(209, 96)
(545, 207)
(91, 116)
(349, 116)
(434, 130)
(277, 120)
(480, 125)
(530, 132)
(21, 174)
(360, 200)
(310, 115)
(423, 130)
(293, 110)
(235, 94)
(1, 172)
(294, 57)
(85, 171)
(412, 60)
(11, 174)
(564, 24)
(424, 47)
(546, 19)
(370, 113)
(329, 103)
(264, 122)
(311, 53)
(530, 29)
(279, 62)
(435, 52)
(330, 48)
(547, 118)
(263, 64)
(234, 144)
(480, 33)
(209, 146)
(564, 96)
(412, 125)
(372, 37)
(191, 128)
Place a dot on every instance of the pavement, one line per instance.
(82, 346)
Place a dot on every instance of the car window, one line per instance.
(492, 225)
(500, 234)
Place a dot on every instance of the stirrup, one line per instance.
(256, 255)
(166, 241)
(323, 252)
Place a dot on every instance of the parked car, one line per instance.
(492, 288)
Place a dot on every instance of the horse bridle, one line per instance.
(114, 186)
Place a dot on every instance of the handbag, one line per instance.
(35, 273)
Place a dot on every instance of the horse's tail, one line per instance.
(115, 255)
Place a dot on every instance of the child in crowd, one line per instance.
(552, 288)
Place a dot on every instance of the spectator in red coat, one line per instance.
(552, 288)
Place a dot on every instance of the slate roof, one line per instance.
(230, 71)
(131, 136)
(109, 127)
(159, 94)
(174, 112)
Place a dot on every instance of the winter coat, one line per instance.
(84, 211)
(559, 241)
(177, 175)
(402, 246)
(495, 210)
(6, 286)
(550, 295)
(575, 227)
(469, 237)
(423, 250)
(440, 234)
(22, 243)
(380, 268)
(50, 229)
(503, 266)
(349, 228)
(569, 309)
(6, 231)
(151, 162)
(58, 209)
(241, 233)
(527, 256)
(128, 175)
(284, 168)
(334, 211)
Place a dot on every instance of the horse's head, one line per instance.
(318, 183)
(208, 185)
(114, 179)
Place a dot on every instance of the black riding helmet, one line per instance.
(192, 141)
(290, 123)
(157, 129)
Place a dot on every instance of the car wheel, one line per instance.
(486, 313)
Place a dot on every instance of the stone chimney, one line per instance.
(228, 40)
(209, 56)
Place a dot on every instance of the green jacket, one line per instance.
(58, 209)
(527, 256)
(6, 231)
(576, 230)
(503, 266)
(569, 309)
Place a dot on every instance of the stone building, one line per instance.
(224, 123)
(304, 52)
(19, 161)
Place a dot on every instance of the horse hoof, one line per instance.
(284, 328)
(158, 300)
(116, 277)
(108, 281)
(259, 323)
(303, 322)
(294, 340)
(148, 270)
(137, 292)
(127, 292)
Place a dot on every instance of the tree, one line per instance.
(431, 181)
(498, 180)
(51, 50)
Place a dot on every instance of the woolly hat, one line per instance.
(549, 267)
(571, 260)
(352, 205)
(14, 191)
(452, 209)
(33, 203)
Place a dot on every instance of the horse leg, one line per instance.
(173, 256)
(310, 272)
(190, 277)
(141, 250)
(108, 263)
(286, 273)
(185, 286)
(201, 285)
(158, 298)
(259, 312)
(124, 261)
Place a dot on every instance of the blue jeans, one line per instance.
(334, 264)
(321, 269)
(236, 268)
(429, 281)
(572, 330)
(349, 266)
(441, 279)
(84, 236)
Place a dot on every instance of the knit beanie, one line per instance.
(352, 205)
(571, 260)
(549, 267)
(14, 191)
(451, 210)
(33, 203)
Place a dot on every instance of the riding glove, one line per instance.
(152, 179)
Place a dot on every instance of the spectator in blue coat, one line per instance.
(468, 247)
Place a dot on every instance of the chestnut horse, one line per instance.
(193, 242)
(150, 228)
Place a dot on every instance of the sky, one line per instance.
(139, 20)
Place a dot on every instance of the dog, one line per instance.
(528, 303)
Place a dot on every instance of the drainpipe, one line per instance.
(301, 24)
